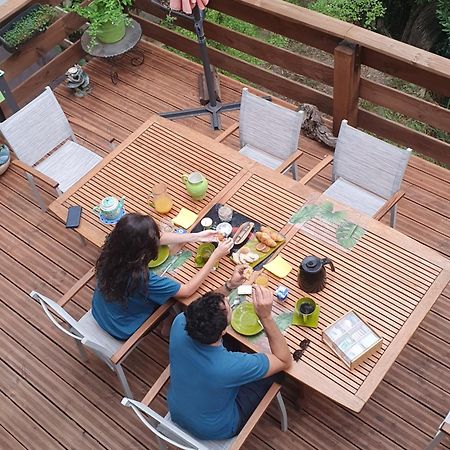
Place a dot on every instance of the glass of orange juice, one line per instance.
(262, 279)
(161, 199)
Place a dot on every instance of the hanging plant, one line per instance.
(25, 26)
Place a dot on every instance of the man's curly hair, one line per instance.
(206, 318)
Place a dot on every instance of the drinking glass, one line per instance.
(225, 213)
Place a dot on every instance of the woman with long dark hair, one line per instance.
(127, 293)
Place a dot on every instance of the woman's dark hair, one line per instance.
(122, 265)
(206, 318)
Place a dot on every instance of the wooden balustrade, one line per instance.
(350, 45)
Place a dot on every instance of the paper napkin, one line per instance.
(279, 267)
(185, 218)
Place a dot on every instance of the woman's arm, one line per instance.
(177, 238)
(189, 288)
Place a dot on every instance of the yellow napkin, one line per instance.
(279, 267)
(185, 218)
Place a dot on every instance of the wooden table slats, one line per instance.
(389, 279)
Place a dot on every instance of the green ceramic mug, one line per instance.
(305, 307)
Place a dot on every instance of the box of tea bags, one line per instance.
(352, 339)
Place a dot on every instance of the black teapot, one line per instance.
(312, 274)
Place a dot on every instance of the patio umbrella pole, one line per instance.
(213, 107)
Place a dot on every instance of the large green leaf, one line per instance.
(326, 213)
(173, 262)
(304, 214)
(348, 234)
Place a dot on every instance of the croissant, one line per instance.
(270, 243)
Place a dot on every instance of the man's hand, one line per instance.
(222, 249)
(262, 301)
(238, 277)
(206, 236)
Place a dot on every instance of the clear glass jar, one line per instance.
(161, 199)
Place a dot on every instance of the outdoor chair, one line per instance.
(43, 141)
(167, 431)
(269, 133)
(87, 333)
(367, 173)
(444, 429)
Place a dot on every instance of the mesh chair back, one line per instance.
(162, 428)
(369, 162)
(51, 308)
(37, 128)
(268, 127)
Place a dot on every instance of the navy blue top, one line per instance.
(121, 320)
(204, 383)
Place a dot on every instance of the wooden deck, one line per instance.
(51, 400)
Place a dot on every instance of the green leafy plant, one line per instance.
(31, 24)
(360, 12)
(102, 12)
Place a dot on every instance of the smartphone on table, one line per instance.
(73, 216)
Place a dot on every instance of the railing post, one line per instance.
(347, 74)
(6, 94)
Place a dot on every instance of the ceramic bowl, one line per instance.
(224, 228)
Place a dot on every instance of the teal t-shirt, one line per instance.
(204, 383)
(120, 320)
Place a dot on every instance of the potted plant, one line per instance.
(5, 158)
(107, 19)
(23, 27)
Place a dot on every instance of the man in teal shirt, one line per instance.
(214, 391)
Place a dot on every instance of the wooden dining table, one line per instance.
(387, 278)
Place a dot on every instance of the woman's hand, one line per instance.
(205, 236)
(238, 277)
(222, 249)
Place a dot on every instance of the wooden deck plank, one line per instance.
(37, 252)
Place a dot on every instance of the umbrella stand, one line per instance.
(213, 107)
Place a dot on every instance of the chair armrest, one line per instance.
(388, 205)
(76, 287)
(32, 171)
(157, 386)
(92, 128)
(288, 163)
(254, 418)
(316, 169)
(133, 340)
(222, 136)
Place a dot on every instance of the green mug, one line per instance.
(305, 307)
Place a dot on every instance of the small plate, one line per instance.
(245, 321)
(163, 254)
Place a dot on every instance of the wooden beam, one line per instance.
(347, 74)
(406, 104)
(55, 68)
(41, 44)
(281, 57)
(419, 142)
(268, 79)
(378, 51)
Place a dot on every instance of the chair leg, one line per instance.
(436, 440)
(82, 350)
(283, 412)
(162, 445)
(35, 191)
(295, 172)
(123, 381)
(393, 219)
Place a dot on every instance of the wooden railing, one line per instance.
(350, 45)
